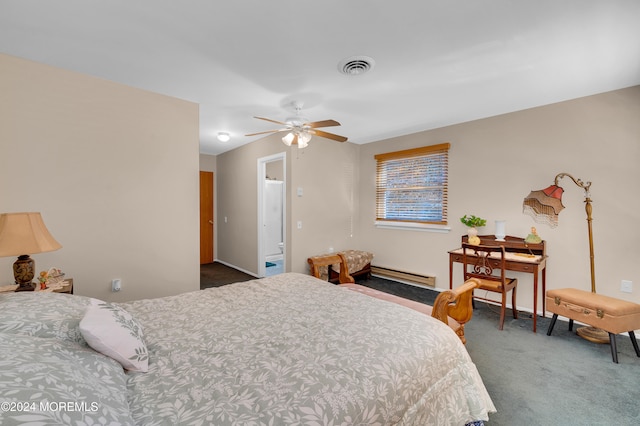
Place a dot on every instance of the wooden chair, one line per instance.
(487, 264)
(457, 305)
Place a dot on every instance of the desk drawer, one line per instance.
(512, 265)
(520, 266)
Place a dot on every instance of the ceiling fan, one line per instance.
(299, 129)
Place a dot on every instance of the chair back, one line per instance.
(484, 262)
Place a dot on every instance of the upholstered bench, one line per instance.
(452, 307)
(357, 262)
(606, 313)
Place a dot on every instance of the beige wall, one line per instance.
(495, 162)
(237, 201)
(114, 171)
(327, 174)
(208, 163)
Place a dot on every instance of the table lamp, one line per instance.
(22, 234)
(544, 206)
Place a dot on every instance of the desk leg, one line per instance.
(544, 292)
(535, 300)
(450, 273)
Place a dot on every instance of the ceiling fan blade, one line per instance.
(324, 123)
(262, 133)
(273, 121)
(329, 135)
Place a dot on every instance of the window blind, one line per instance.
(411, 185)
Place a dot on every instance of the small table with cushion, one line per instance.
(606, 313)
(358, 263)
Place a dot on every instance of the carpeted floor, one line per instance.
(533, 379)
(216, 274)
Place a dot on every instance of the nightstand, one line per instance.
(66, 288)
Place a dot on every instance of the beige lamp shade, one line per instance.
(24, 233)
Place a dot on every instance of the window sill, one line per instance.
(412, 226)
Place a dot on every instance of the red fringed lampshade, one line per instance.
(544, 205)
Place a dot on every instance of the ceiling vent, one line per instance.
(356, 65)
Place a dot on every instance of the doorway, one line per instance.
(206, 217)
(272, 200)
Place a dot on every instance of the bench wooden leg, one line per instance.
(614, 348)
(552, 324)
(634, 342)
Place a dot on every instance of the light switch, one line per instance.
(300, 191)
(299, 224)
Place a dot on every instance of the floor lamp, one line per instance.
(544, 206)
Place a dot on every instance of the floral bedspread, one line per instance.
(293, 350)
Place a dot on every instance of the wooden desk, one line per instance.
(517, 248)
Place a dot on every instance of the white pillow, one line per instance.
(112, 331)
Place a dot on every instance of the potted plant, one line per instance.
(473, 222)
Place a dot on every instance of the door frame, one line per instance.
(262, 175)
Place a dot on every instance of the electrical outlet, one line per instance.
(116, 284)
(626, 286)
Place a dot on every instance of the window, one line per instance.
(411, 185)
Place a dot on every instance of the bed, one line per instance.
(284, 350)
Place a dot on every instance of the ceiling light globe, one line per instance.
(287, 139)
(303, 139)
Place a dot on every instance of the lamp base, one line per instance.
(593, 334)
(23, 272)
(26, 287)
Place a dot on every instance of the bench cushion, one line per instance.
(604, 312)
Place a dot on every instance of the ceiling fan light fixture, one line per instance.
(224, 136)
(287, 139)
(356, 65)
(303, 139)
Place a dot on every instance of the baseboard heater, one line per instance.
(403, 276)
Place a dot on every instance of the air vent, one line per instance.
(356, 65)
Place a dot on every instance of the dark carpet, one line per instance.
(216, 274)
(535, 379)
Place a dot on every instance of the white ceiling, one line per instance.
(437, 62)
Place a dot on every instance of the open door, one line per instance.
(206, 217)
(272, 234)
